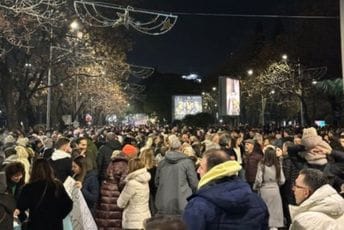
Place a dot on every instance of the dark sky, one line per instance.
(199, 44)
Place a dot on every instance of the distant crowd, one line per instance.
(167, 178)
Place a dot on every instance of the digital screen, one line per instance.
(232, 97)
(136, 119)
(320, 123)
(183, 105)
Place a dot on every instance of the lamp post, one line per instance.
(299, 75)
(299, 91)
(74, 27)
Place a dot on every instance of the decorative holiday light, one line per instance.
(96, 14)
(142, 72)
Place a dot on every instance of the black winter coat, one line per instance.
(54, 206)
(104, 157)
(7, 206)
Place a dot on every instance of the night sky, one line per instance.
(200, 44)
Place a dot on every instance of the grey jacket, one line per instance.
(176, 180)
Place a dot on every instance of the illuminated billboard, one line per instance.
(232, 97)
(229, 96)
(184, 105)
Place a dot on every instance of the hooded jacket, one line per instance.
(108, 215)
(135, 199)
(176, 180)
(324, 209)
(224, 201)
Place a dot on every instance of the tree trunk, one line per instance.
(305, 112)
(262, 111)
(8, 95)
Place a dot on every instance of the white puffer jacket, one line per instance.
(324, 209)
(134, 199)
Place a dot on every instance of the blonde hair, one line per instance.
(188, 150)
(147, 157)
(135, 164)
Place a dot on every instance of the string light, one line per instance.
(142, 72)
(156, 23)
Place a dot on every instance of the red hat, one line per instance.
(129, 150)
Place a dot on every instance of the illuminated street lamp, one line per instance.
(250, 72)
(214, 88)
(74, 26)
(284, 57)
(28, 65)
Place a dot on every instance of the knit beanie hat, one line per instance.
(311, 139)
(115, 153)
(130, 150)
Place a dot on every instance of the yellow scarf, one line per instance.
(228, 168)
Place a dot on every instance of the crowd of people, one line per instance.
(168, 178)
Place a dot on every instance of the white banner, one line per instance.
(80, 215)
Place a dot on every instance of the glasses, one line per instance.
(298, 186)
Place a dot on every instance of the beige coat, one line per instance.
(324, 209)
(135, 199)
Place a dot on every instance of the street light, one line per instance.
(250, 72)
(214, 88)
(74, 27)
(299, 75)
(28, 65)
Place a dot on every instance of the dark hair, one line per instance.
(270, 159)
(111, 136)
(288, 144)
(80, 139)
(313, 178)
(14, 168)
(41, 170)
(224, 140)
(81, 162)
(61, 142)
(257, 148)
(215, 157)
(234, 140)
(165, 222)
